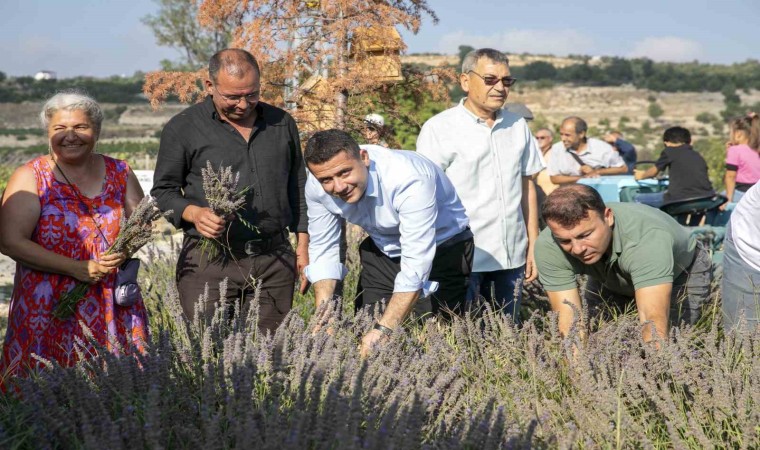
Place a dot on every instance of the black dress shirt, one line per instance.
(270, 165)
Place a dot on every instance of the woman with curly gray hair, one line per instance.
(58, 215)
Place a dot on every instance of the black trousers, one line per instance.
(451, 267)
(275, 269)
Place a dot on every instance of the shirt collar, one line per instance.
(588, 150)
(372, 180)
(474, 118)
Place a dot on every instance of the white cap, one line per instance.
(374, 120)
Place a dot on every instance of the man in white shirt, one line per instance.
(419, 242)
(490, 156)
(577, 156)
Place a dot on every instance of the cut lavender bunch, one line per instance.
(224, 199)
(221, 191)
(134, 233)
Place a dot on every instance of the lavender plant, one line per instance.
(134, 232)
(479, 382)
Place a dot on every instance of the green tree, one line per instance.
(732, 102)
(714, 152)
(646, 127)
(619, 70)
(705, 117)
(655, 110)
(539, 70)
(175, 26)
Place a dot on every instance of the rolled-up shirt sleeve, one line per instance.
(169, 176)
(417, 209)
(324, 238)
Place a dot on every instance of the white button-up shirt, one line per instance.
(409, 207)
(486, 165)
(596, 154)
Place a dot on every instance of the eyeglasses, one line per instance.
(491, 80)
(235, 99)
(543, 137)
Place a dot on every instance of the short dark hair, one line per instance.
(677, 135)
(471, 59)
(234, 61)
(324, 145)
(580, 125)
(570, 204)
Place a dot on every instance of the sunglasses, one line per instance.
(491, 80)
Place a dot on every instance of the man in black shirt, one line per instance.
(232, 128)
(688, 176)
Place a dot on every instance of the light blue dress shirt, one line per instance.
(409, 207)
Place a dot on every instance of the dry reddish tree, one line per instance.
(328, 62)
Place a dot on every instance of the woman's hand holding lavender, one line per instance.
(135, 232)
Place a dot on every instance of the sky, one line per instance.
(106, 37)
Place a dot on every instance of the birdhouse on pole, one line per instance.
(314, 113)
(377, 52)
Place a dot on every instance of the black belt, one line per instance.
(260, 245)
(457, 238)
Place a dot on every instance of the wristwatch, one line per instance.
(383, 329)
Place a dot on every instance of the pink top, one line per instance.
(747, 161)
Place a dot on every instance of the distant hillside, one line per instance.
(433, 60)
(613, 71)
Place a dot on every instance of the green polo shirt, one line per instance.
(648, 248)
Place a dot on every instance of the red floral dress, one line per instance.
(67, 228)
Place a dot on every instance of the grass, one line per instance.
(21, 132)
(479, 382)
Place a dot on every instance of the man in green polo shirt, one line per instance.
(629, 251)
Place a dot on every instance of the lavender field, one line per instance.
(477, 383)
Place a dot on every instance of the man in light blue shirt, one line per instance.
(419, 242)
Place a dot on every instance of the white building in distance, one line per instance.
(45, 75)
